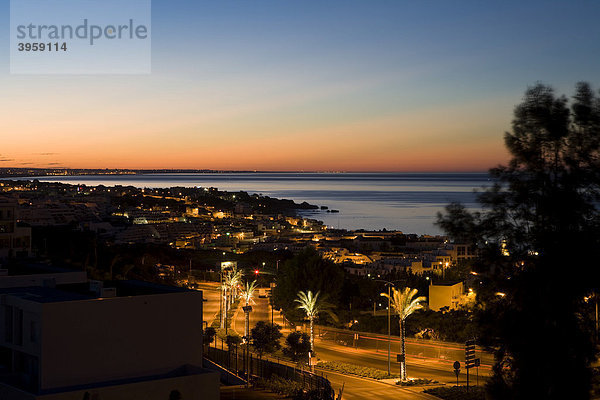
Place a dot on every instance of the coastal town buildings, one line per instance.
(205, 219)
(208, 219)
(15, 241)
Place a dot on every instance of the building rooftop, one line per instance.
(41, 294)
(446, 283)
(138, 288)
(46, 284)
(35, 269)
(123, 288)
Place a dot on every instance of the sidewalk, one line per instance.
(241, 393)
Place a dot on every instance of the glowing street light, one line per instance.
(389, 286)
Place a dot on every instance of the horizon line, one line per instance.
(210, 170)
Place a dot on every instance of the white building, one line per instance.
(446, 295)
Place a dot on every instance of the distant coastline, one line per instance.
(9, 172)
(33, 172)
(407, 202)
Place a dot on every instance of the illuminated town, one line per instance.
(303, 200)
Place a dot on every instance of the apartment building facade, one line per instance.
(132, 340)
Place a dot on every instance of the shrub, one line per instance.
(416, 382)
(277, 384)
(265, 337)
(233, 341)
(297, 346)
(209, 335)
(595, 383)
(310, 395)
(359, 370)
(457, 393)
(453, 326)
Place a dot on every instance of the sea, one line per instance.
(408, 202)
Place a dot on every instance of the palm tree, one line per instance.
(236, 278)
(404, 304)
(247, 294)
(230, 281)
(313, 306)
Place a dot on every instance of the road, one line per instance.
(261, 311)
(418, 348)
(328, 350)
(438, 369)
(416, 368)
(210, 293)
(356, 388)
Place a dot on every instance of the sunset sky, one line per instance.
(306, 85)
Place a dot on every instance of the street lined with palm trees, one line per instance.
(328, 350)
(355, 388)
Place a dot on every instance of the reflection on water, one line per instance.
(408, 202)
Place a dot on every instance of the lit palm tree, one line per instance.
(247, 294)
(313, 306)
(404, 304)
(235, 281)
(230, 281)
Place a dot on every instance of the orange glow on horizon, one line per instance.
(296, 135)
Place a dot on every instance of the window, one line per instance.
(19, 327)
(8, 323)
(33, 332)
(27, 368)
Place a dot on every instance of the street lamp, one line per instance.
(247, 309)
(222, 300)
(271, 304)
(389, 286)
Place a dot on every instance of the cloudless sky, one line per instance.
(306, 85)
